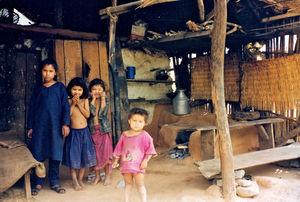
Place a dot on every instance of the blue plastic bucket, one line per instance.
(130, 73)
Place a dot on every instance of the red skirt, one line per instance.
(103, 148)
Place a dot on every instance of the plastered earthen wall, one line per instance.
(143, 63)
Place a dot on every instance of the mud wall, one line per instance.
(145, 94)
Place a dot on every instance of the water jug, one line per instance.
(181, 103)
(130, 73)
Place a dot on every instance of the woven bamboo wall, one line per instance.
(201, 78)
(273, 85)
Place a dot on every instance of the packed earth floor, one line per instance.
(169, 180)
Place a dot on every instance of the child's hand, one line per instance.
(103, 94)
(29, 133)
(65, 130)
(75, 100)
(115, 163)
(93, 96)
(144, 164)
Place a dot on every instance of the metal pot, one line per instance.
(181, 104)
(161, 74)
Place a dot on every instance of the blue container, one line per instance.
(130, 72)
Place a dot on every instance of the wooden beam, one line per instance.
(53, 31)
(124, 7)
(278, 17)
(147, 3)
(217, 71)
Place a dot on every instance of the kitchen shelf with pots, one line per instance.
(151, 82)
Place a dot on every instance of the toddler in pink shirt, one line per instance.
(135, 148)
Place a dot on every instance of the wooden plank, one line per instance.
(27, 186)
(232, 125)
(104, 71)
(211, 168)
(73, 59)
(59, 55)
(91, 59)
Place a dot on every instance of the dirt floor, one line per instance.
(169, 180)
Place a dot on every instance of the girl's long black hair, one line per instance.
(95, 82)
(77, 81)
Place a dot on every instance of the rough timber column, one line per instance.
(217, 55)
(114, 68)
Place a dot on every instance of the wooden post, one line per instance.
(291, 43)
(115, 74)
(217, 55)
(201, 10)
(27, 185)
(282, 45)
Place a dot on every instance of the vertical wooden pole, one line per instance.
(201, 10)
(291, 43)
(27, 185)
(217, 56)
(115, 74)
(282, 45)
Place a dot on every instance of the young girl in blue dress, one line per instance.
(79, 150)
(48, 120)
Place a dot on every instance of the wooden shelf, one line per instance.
(151, 82)
(156, 101)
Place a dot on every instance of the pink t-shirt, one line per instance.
(133, 150)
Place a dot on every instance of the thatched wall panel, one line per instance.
(201, 78)
(272, 85)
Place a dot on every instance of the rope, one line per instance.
(113, 17)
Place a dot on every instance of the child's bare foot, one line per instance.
(77, 187)
(97, 180)
(82, 185)
(107, 181)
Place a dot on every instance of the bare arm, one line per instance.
(72, 105)
(144, 163)
(115, 163)
(84, 108)
(103, 100)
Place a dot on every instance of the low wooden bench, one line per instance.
(211, 168)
